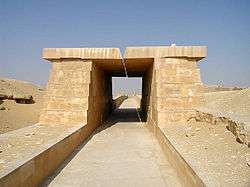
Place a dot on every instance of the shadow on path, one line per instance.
(118, 101)
(118, 115)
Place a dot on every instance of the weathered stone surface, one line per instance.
(177, 70)
(174, 116)
(80, 82)
(81, 53)
(175, 103)
(178, 89)
(67, 93)
(197, 52)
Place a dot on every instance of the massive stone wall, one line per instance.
(78, 91)
(172, 85)
(178, 89)
(79, 88)
(173, 89)
(147, 94)
(100, 96)
(66, 98)
(149, 98)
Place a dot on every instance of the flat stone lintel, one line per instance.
(197, 52)
(81, 53)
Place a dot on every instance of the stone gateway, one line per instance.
(79, 89)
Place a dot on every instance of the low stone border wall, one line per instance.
(118, 101)
(40, 165)
(237, 128)
(184, 171)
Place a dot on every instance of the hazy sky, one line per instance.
(126, 85)
(28, 26)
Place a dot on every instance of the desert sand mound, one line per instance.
(234, 102)
(218, 88)
(234, 105)
(20, 104)
(12, 90)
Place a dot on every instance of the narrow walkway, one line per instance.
(121, 153)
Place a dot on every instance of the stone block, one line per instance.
(195, 52)
(176, 70)
(173, 117)
(178, 103)
(178, 90)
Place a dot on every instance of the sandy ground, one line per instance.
(24, 142)
(235, 104)
(17, 115)
(232, 105)
(212, 152)
(210, 149)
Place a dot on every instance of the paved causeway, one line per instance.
(121, 153)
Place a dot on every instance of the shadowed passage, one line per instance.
(122, 152)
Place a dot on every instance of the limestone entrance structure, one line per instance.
(79, 89)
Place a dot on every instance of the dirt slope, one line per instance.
(218, 88)
(15, 115)
(235, 104)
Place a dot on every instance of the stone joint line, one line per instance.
(79, 89)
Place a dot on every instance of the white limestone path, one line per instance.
(121, 153)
